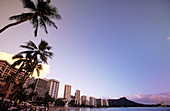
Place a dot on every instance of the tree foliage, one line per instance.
(40, 16)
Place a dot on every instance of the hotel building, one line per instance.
(77, 97)
(105, 102)
(99, 102)
(41, 87)
(5, 72)
(67, 92)
(29, 82)
(84, 100)
(91, 101)
(53, 87)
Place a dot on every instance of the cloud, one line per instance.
(5, 56)
(151, 98)
(8, 57)
(44, 72)
(168, 38)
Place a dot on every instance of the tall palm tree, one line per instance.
(32, 59)
(40, 15)
(29, 62)
(22, 62)
(29, 69)
(10, 83)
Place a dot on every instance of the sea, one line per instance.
(121, 109)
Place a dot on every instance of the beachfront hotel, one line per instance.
(7, 71)
(84, 100)
(99, 102)
(91, 101)
(53, 87)
(67, 92)
(41, 87)
(105, 102)
(77, 97)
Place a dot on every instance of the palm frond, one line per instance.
(53, 13)
(21, 16)
(36, 28)
(30, 43)
(48, 47)
(16, 63)
(58, 16)
(29, 4)
(43, 44)
(49, 22)
(18, 56)
(34, 20)
(43, 25)
(27, 52)
(48, 54)
(43, 58)
(27, 47)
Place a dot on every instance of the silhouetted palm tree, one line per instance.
(40, 15)
(10, 83)
(33, 57)
(32, 60)
(40, 52)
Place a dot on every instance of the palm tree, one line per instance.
(10, 83)
(33, 57)
(22, 62)
(40, 52)
(40, 15)
(29, 62)
(29, 69)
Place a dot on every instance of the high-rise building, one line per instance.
(91, 101)
(30, 81)
(5, 72)
(99, 102)
(53, 86)
(77, 97)
(67, 92)
(83, 100)
(95, 102)
(105, 102)
(41, 87)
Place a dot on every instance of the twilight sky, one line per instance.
(104, 48)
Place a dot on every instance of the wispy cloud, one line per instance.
(151, 98)
(168, 38)
(8, 57)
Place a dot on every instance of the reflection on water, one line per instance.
(120, 109)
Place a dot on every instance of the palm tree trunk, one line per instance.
(20, 86)
(15, 23)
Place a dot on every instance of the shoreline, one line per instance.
(66, 108)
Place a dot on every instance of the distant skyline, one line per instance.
(104, 48)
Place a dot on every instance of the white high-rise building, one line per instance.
(77, 97)
(53, 87)
(67, 92)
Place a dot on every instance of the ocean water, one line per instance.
(121, 109)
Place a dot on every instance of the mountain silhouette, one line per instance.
(123, 102)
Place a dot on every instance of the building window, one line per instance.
(3, 68)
